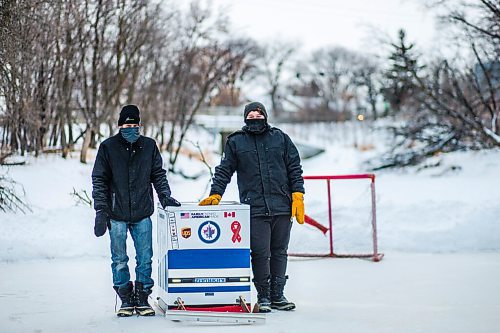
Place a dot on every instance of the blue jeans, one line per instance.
(141, 233)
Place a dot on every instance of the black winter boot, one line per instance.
(278, 299)
(141, 300)
(263, 298)
(126, 294)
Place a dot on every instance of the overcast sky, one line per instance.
(354, 24)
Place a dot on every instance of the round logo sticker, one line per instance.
(209, 232)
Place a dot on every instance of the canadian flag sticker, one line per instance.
(230, 214)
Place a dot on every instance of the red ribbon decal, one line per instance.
(235, 228)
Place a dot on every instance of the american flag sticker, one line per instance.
(184, 215)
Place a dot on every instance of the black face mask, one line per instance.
(256, 126)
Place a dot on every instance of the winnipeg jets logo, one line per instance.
(209, 232)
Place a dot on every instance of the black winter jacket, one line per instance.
(122, 178)
(268, 171)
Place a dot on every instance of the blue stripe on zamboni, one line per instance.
(221, 289)
(209, 259)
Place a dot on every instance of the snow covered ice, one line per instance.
(439, 229)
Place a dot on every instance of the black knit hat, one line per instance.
(129, 115)
(255, 106)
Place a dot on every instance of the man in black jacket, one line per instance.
(125, 167)
(270, 181)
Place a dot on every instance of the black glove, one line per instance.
(169, 201)
(101, 223)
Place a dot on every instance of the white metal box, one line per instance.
(204, 254)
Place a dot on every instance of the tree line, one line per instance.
(435, 104)
(66, 67)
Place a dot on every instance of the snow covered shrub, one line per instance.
(10, 200)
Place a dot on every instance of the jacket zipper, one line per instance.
(129, 193)
(260, 172)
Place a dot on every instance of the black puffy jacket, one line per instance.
(267, 167)
(122, 178)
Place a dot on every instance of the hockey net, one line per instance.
(340, 217)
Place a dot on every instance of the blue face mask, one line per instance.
(131, 134)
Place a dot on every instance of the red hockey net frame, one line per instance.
(375, 255)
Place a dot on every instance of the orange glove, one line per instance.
(214, 199)
(298, 206)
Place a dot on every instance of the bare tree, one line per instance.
(329, 77)
(19, 69)
(272, 64)
(367, 77)
(203, 70)
(201, 62)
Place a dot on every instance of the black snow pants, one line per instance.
(269, 245)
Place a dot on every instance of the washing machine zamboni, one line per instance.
(204, 271)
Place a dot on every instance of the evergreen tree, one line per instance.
(399, 86)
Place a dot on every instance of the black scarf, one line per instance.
(256, 126)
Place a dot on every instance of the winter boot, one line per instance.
(142, 306)
(263, 299)
(126, 294)
(278, 300)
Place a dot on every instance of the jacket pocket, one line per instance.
(284, 189)
(247, 157)
(113, 201)
(275, 153)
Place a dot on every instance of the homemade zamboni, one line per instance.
(204, 271)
